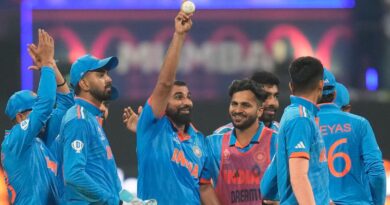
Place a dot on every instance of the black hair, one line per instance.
(179, 83)
(327, 98)
(246, 84)
(77, 89)
(265, 78)
(305, 73)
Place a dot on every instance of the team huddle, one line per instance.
(57, 151)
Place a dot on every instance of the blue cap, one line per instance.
(89, 63)
(329, 83)
(342, 95)
(19, 102)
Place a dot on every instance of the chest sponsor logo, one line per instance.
(245, 195)
(179, 158)
(77, 145)
(24, 124)
(242, 176)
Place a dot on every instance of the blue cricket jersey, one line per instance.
(29, 166)
(169, 162)
(90, 172)
(356, 170)
(299, 136)
(214, 146)
(274, 126)
(64, 101)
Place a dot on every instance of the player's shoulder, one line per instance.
(76, 112)
(224, 129)
(356, 119)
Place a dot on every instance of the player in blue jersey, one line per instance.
(356, 170)
(170, 151)
(239, 157)
(90, 172)
(302, 174)
(30, 168)
(271, 105)
(342, 98)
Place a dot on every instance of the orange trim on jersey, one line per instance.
(300, 111)
(183, 136)
(317, 119)
(100, 120)
(300, 155)
(78, 112)
(204, 181)
(237, 144)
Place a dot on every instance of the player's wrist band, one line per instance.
(62, 84)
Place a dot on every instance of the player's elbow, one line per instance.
(71, 178)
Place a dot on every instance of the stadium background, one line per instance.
(228, 41)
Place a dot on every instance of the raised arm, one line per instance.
(159, 98)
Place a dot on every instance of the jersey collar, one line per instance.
(255, 139)
(328, 106)
(313, 108)
(89, 107)
(190, 130)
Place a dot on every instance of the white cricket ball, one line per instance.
(188, 7)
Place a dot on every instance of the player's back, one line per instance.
(346, 138)
(31, 174)
(297, 125)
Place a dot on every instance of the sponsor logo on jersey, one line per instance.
(24, 124)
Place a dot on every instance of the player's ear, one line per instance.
(291, 86)
(84, 85)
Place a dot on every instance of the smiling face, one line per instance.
(179, 105)
(271, 104)
(244, 109)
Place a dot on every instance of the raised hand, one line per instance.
(45, 49)
(32, 51)
(183, 23)
(130, 118)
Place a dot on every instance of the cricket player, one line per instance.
(342, 98)
(356, 171)
(240, 156)
(90, 172)
(302, 174)
(29, 167)
(271, 105)
(170, 150)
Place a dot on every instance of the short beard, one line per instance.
(100, 95)
(246, 124)
(266, 118)
(177, 118)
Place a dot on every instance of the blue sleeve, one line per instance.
(273, 144)
(373, 164)
(147, 124)
(299, 138)
(75, 159)
(269, 185)
(64, 102)
(213, 165)
(40, 111)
